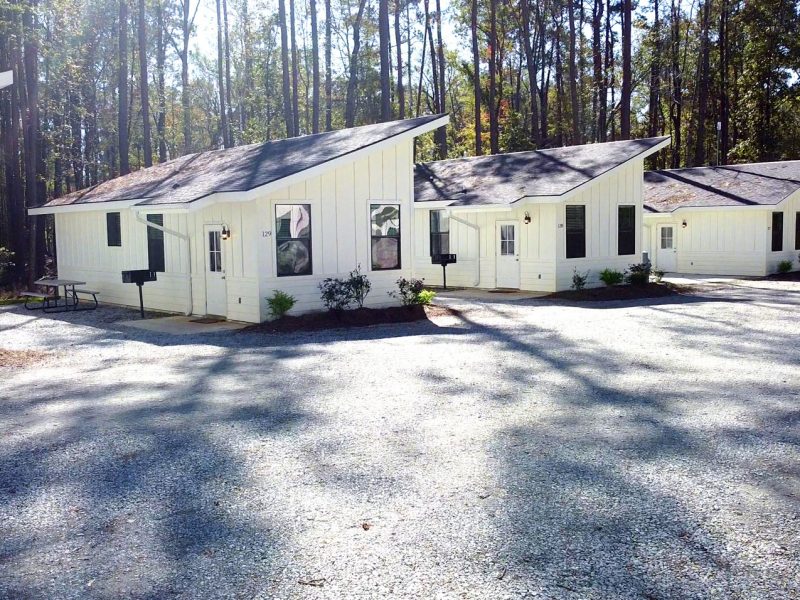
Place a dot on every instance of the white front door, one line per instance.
(666, 249)
(507, 255)
(216, 286)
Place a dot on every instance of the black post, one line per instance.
(444, 276)
(141, 300)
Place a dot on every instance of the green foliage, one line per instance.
(611, 277)
(412, 291)
(336, 294)
(280, 303)
(359, 286)
(579, 280)
(785, 266)
(6, 264)
(638, 274)
(658, 275)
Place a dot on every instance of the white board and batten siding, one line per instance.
(727, 240)
(542, 242)
(340, 201)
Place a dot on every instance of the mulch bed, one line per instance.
(360, 317)
(20, 358)
(791, 276)
(619, 292)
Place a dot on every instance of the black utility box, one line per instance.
(138, 276)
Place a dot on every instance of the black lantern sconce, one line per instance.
(226, 233)
(684, 224)
(527, 218)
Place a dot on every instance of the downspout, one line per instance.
(184, 237)
(478, 235)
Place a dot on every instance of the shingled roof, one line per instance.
(756, 184)
(506, 178)
(240, 169)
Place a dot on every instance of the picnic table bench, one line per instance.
(53, 301)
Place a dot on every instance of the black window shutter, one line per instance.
(576, 231)
(797, 231)
(155, 244)
(777, 231)
(113, 231)
(626, 230)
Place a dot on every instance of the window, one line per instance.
(507, 240)
(215, 251)
(666, 238)
(777, 231)
(440, 232)
(293, 239)
(576, 231)
(155, 244)
(797, 231)
(113, 232)
(385, 228)
(626, 230)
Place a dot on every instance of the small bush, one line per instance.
(658, 275)
(425, 297)
(639, 274)
(611, 277)
(784, 266)
(359, 286)
(337, 294)
(408, 291)
(280, 303)
(579, 281)
(6, 263)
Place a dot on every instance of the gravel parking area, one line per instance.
(532, 448)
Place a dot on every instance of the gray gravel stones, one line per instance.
(531, 449)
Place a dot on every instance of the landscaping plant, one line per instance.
(579, 281)
(611, 277)
(412, 291)
(6, 263)
(639, 274)
(280, 303)
(658, 275)
(784, 266)
(359, 286)
(337, 294)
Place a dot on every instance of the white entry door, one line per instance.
(507, 255)
(667, 251)
(216, 286)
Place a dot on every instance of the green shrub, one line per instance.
(784, 266)
(6, 263)
(638, 274)
(409, 291)
(611, 277)
(658, 275)
(426, 297)
(359, 286)
(280, 303)
(579, 281)
(336, 294)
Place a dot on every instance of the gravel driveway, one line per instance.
(528, 449)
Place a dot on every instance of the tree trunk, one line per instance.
(577, 136)
(187, 20)
(144, 91)
(625, 100)
(655, 75)
(724, 118)
(702, 86)
(352, 82)
(328, 74)
(228, 86)
(599, 93)
(314, 68)
(401, 94)
(161, 59)
(287, 92)
(383, 37)
(122, 86)
(441, 133)
(476, 80)
(295, 71)
(494, 129)
(223, 111)
(676, 103)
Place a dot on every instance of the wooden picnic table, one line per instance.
(69, 294)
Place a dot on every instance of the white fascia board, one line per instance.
(6, 79)
(691, 209)
(481, 208)
(273, 186)
(432, 204)
(526, 200)
(86, 207)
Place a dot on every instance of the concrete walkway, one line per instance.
(181, 325)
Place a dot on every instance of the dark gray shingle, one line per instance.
(506, 178)
(756, 184)
(238, 169)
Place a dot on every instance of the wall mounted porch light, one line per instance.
(684, 224)
(226, 233)
(527, 218)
